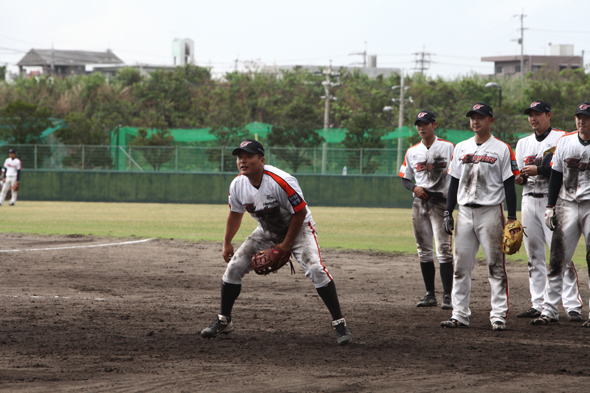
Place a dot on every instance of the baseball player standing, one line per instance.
(428, 162)
(274, 199)
(482, 176)
(11, 171)
(533, 155)
(568, 216)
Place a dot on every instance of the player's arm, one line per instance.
(448, 223)
(510, 192)
(18, 175)
(295, 225)
(234, 221)
(419, 191)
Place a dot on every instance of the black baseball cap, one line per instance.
(482, 109)
(425, 117)
(583, 108)
(11, 151)
(249, 146)
(538, 106)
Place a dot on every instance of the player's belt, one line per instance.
(473, 205)
(536, 195)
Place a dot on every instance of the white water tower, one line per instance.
(183, 52)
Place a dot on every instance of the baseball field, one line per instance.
(111, 298)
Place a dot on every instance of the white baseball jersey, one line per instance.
(12, 166)
(529, 151)
(272, 205)
(429, 166)
(482, 170)
(573, 160)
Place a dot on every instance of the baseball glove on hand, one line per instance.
(15, 187)
(271, 260)
(511, 246)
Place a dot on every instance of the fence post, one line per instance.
(315, 149)
(222, 160)
(35, 156)
(83, 157)
(129, 166)
(361, 161)
(176, 158)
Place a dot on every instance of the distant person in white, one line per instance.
(11, 172)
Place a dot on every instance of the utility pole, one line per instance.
(521, 42)
(364, 54)
(422, 60)
(327, 97)
(400, 123)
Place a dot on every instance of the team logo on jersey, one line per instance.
(576, 163)
(429, 166)
(422, 114)
(583, 107)
(477, 106)
(532, 160)
(245, 143)
(476, 159)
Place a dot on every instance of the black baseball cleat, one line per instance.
(452, 323)
(428, 301)
(574, 316)
(544, 320)
(342, 332)
(498, 326)
(222, 325)
(446, 303)
(530, 313)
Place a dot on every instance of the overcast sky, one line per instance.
(456, 33)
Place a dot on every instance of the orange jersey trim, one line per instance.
(288, 189)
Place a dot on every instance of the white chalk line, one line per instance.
(98, 299)
(86, 246)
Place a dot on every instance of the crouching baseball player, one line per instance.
(482, 176)
(568, 209)
(274, 199)
(533, 155)
(428, 162)
(11, 171)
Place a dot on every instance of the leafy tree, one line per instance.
(3, 73)
(157, 148)
(297, 134)
(364, 131)
(23, 123)
(80, 130)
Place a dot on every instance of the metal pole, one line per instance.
(361, 163)
(326, 118)
(35, 156)
(176, 158)
(83, 157)
(222, 159)
(400, 123)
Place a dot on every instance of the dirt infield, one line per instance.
(126, 318)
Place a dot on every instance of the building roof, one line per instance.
(47, 57)
(535, 58)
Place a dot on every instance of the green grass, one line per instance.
(338, 227)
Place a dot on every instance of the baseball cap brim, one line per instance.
(425, 121)
(528, 110)
(480, 112)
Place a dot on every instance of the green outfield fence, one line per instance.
(183, 159)
(202, 175)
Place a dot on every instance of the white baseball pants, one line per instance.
(538, 235)
(7, 185)
(573, 220)
(479, 226)
(305, 250)
(427, 221)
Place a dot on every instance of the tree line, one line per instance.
(189, 97)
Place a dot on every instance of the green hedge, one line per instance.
(319, 190)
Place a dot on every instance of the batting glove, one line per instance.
(448, 223)
(550, 218)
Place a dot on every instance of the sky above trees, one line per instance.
(457, 33)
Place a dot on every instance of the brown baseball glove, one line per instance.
(15, 187)
(511, 246)
(271, 260)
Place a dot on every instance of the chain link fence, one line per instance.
(204, 159)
